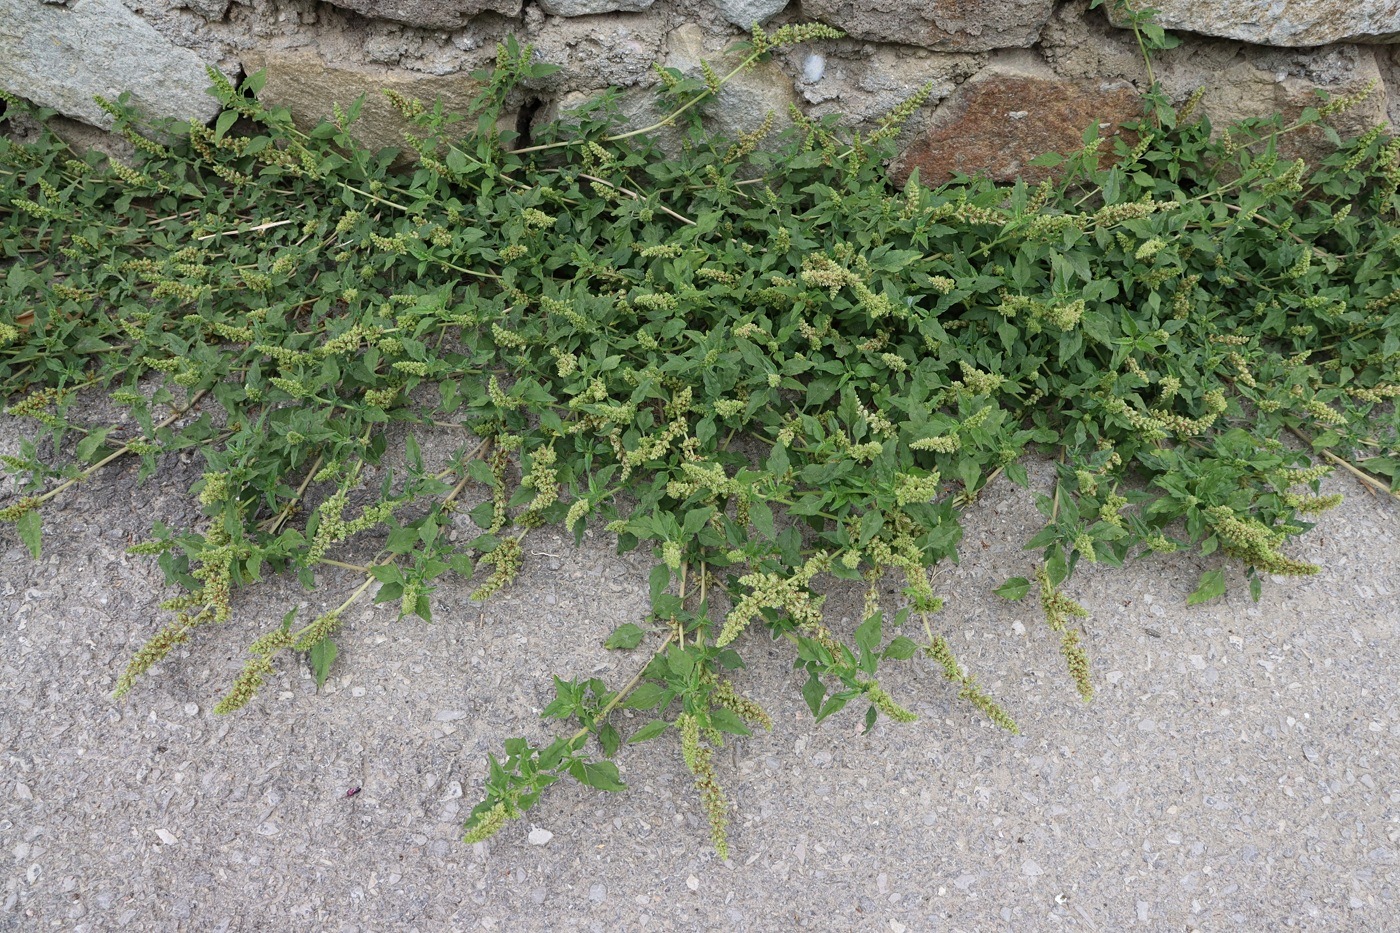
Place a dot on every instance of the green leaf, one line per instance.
(480, 471)
(646, 696)
(386, 573)
(609, 739)
(868, 633)
(813, 691)
(970, 473)
(729, 660)
(649, 731)
(483, 514)
(901, 648)
(600, 775)
(1212, 585)
(660, 579)
(224, 122)
(870, 524)
(88, 446)
(625, 636)
(1014, 589)
(681, 661)
(388, 592)
(695, 519)
(28, 526)
(402, 540)
(778, 462)
(322, 655)
(834, 704)
(762, 518)
(727, 721)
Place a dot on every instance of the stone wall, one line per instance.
(1011, 78)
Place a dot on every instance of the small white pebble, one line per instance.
(167, 837)
(693, 883)
(540, 837)
(191, 709)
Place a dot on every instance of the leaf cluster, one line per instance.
(754, 358)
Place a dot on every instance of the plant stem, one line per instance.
(121, 451)
(637, 197)
(623, 693)
(660, 124)
(1366, 479)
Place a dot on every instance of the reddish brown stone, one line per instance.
(996, 123)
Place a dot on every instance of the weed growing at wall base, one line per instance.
(751, 357)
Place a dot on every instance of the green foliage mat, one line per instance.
(751, 356)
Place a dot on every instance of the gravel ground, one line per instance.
(1239, 768)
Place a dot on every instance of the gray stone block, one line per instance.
(744, 13)
(429, 14)
(941, 25)
(592, 7)
(61, 56)
(1296, 23)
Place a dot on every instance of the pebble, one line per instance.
(167, 837)
(540, 837)
(693, 883)
(1030, 868)
(598, 893)
(22, 791)
(449, 715)
(191, 709)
